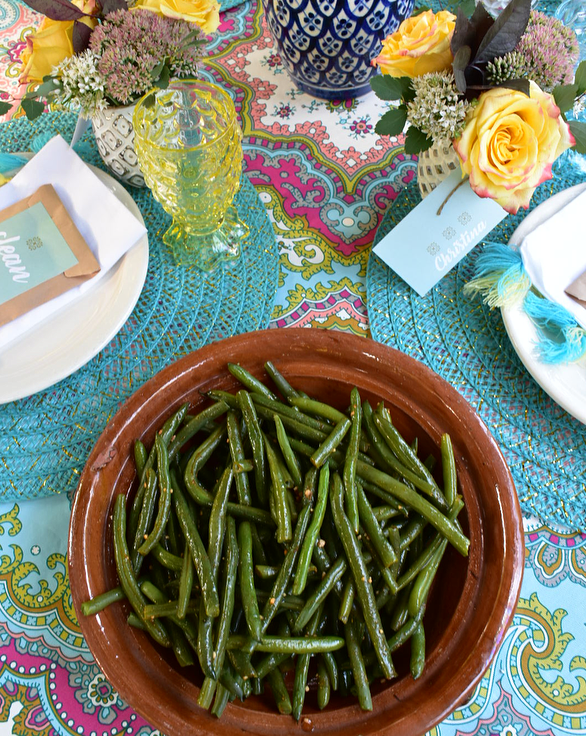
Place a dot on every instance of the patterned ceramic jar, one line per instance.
(114, 133)
(327, 45)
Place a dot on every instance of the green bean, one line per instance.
(217, 522)
(287, 645)
(310, 486)
(206, 692)
(173, 534)
(240, 659)
(287, 602)
(201, 455)
(291, 413)
(302, 667)
(269, 662)
(167, 559)
(164, 500)
(417, 662)
(243, 466)
(383, 549)
(140, 457)
(384, 513)
(145, 518)
(197, 422)
(256, 442)
(102, 600)
(280, 585)
(351, 457)
(311, 406)
(410, 460)
(279, 690)
(133, 620)
(220, 701)
(329, 445)
(320, 593)
(401, 608)
(282, 516)
(449, 469)
(353, 644)
(323, 563)
(237, 453)
(198, 552)
(323, 685)
(170, 608)
(185, 583)
(128, 581)
(289, 456)
(424, 580)
(225, 397)
(231, 683)
(280, 381)
(347, 600)
(248, 592)
(360, 573)
(266, 572)
(417, 503)
(332, 667)
(313, 531)
(249, 381)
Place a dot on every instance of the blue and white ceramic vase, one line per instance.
(327, 46)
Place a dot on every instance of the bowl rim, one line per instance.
(331, 344)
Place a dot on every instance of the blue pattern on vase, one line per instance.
(327, 46)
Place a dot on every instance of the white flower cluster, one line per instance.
(81, 83)
(436, 109)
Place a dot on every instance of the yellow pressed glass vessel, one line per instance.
(189, 146)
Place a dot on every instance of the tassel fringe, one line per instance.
(562, 340)
(500, 276)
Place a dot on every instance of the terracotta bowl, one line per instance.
(473, 599)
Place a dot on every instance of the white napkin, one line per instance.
(554, 255)
(108, 227)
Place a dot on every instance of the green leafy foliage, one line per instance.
(386, 87)
(392, 122)
(580, 77)
(416, 141)
(32, 108)
(163, 81)
(4, 107)
(564, 96)
(579, 132)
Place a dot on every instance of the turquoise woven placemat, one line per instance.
(46, 438)
(466, 343)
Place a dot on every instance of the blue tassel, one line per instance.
(10, 161)
(40, 140)
(500, 276)
(565, 340)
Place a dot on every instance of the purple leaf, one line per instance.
(506, 31)
(56, 9)
(109, 6)
(80, 37)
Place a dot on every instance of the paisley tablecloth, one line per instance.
(325, 179)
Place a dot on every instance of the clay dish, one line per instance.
(472, 602)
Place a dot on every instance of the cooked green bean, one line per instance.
(102, 600)
(170, 608)
(217, 522)
(417, 662)
(371, 526)
(167, 559)
(164, 499)
(240, 659)
(220, 701)
(145, 517)
(449, 469)
(302, 667)
(323, 685)
(282, 516)
(353, 644)
(185, 584)
(198, 551)
(313, 531)
(249, 381)
(349, 475)
(247, 589)
(287, 645)
(126, 576)
(331, 443)
(201, 455)
(197, 422)
(140, 457)
(289, 456)
(237, 453)
(280, 381)
(423, 582)
(256, 442)
(319, 594)
(347, 600)
(280, 692)
(364, 589)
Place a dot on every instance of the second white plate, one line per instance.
(565, 383)
(68, 339)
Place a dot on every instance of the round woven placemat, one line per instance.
(466, 343)
(46, 438)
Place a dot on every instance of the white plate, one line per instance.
(71, 337)
(565, 383)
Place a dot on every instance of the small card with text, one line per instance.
(438, 233)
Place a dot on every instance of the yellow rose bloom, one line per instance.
(420, 45)
(50, 45)
(204, 13)
(509, 144)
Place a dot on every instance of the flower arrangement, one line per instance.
(497, 90)
(91, 56)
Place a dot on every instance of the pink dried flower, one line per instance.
(132, 44)
(550, 50)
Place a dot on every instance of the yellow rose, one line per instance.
(509, 143)
(204, 13)
(51, 44)
(419, 46)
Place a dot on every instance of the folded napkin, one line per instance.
(107, 226)
(554, 256)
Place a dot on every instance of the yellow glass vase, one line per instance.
(189, 147)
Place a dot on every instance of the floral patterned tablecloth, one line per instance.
(326, 178)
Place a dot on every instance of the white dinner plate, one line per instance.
(69, 338)
(565, 383)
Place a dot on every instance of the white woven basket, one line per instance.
(433, 166)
